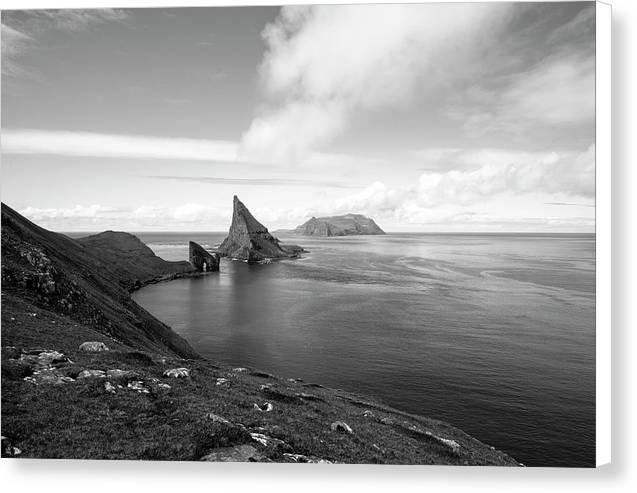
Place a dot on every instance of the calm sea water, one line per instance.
(492, 333)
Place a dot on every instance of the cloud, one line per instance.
(70, 143)
(323, 63)
(498, 69)
(560, 91)
(14, 43)
(92, 144)
(461, 199)
(570, 204)
(470, 221)
(72, 20)
(557, 92)
(268, 182)
(78, 211)
(541, 75)
(23, 30)
(500, 171)
(143, 217)
(484, 175)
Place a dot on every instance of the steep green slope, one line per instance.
(89, 280)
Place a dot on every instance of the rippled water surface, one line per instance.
(492, 333)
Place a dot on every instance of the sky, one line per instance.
(432, 117)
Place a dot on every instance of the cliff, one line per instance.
(88, 374)
(201, 259)
(128, 258)
(250, 240)
(346, 225)
(88, 279)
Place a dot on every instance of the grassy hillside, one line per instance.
(89, 280)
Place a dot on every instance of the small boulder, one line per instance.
(8, 447)
(110, 388)
(341, 427)
(266, 407)
(300, 458)
(93, 347)
(48, 376)
(270, 442)
(215, 418)
(41, 359)
(221, 381)
(308, 397)
(117, 374)
(238, 453)
(91, 374)
(138, 386)
(177, 373)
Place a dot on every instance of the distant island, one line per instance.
(344, 225)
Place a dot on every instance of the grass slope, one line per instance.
(89, 280)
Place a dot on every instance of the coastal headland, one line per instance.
(89, 374)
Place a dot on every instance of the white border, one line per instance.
(603, 315)
(140, 476)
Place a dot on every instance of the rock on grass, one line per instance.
(341, 427)
(177, 373)
(238, 453)
(93, 347)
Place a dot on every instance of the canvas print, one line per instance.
(304, 234)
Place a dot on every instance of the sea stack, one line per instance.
(201, 259)
(345, 225)
(251, 241)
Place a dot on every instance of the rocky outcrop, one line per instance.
(251, 241)
(201, 259)
(346, 225)
(93, 347)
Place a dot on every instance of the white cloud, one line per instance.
(22, 32)
(482, 176)
(538, 78)
(500, 171)
(78, 211)
(14, 43)
(144, 217)
(325, 62)
(560, 91)
(74, 20)
(69, 143)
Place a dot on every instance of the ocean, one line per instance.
(493, 333)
